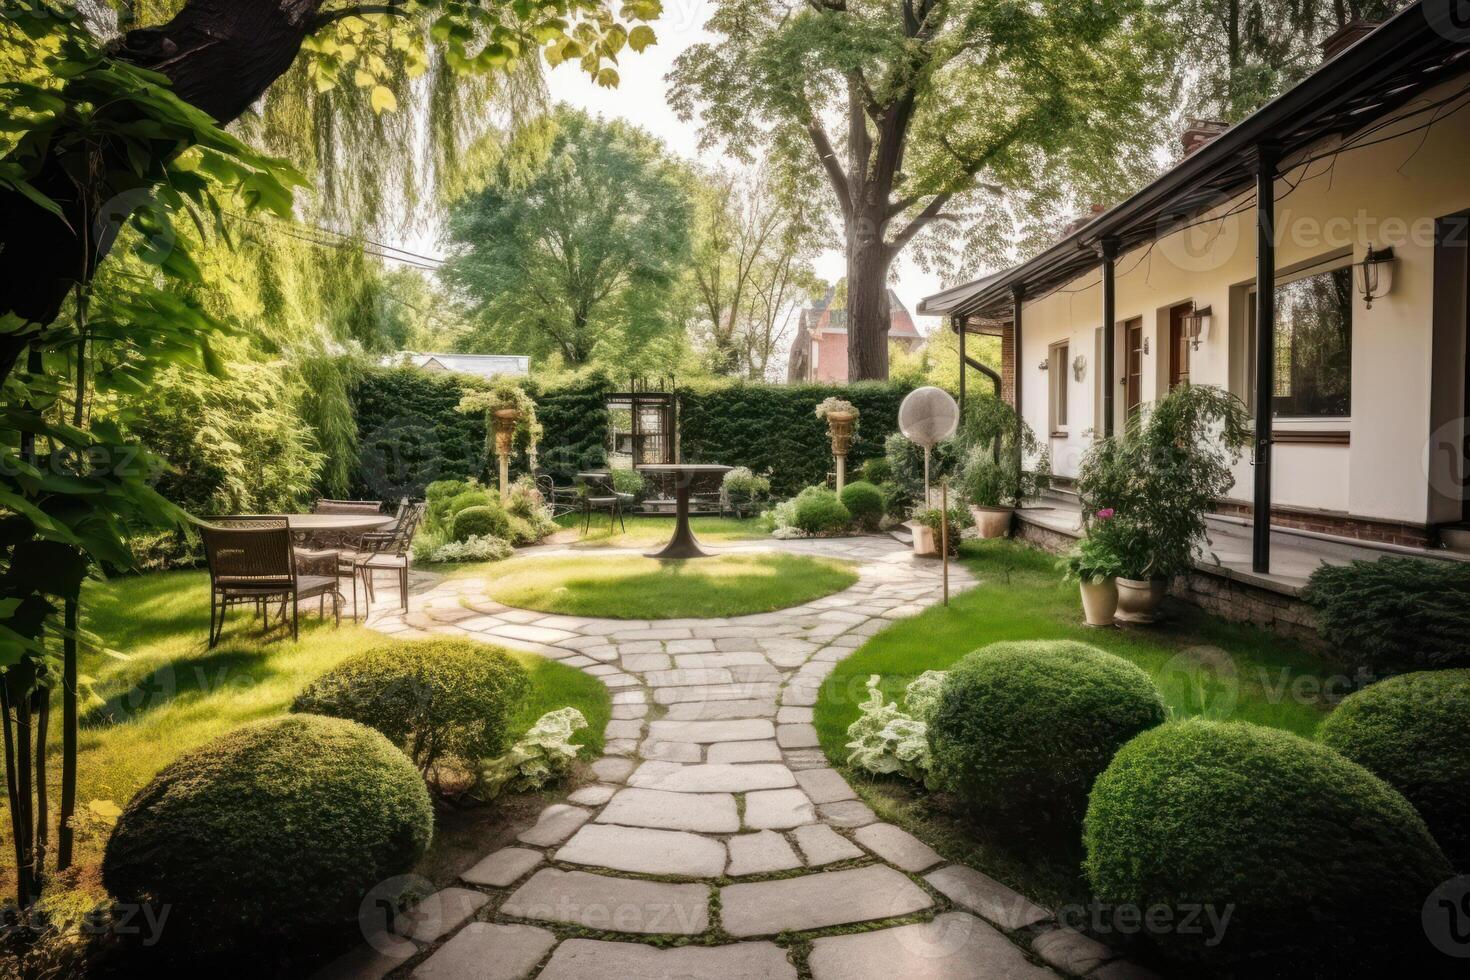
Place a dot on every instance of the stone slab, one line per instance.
(986, 897)
(817, 901)
(847, 813)
(797, 736)
(718, 710)
(955, 946)
(1069, 950)
(823, 845)
(488, 951)
(502, 867)
(371, 961)
(592, 795)
(744, 752)
(760, 853)
(824, 785)
(644, 851)
(778, 809)
(613, 770)
(672, 751)
(705, 732)
(440, 914)
(611, 904)
(711, 778)
(898, 847)
(592, 959)
(556, 823)
(707, 813)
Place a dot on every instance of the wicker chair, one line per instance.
(347, 507)
(599, 493)
(251, 562)
(381, 551)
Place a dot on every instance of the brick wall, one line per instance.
(1008, 366)
(1343, 526)
(832, 358)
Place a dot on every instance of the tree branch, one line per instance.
(830, 163)
(393, 8)
(930, 212)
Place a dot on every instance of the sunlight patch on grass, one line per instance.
(646, 531)
(627, 587)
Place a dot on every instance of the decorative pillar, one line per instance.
(1108, 249)
(1267, 155)
(505, 420)
(839, 427)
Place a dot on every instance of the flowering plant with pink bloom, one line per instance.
(1106, 514)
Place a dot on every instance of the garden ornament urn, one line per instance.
(505, 430)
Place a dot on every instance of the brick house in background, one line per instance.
(819, 351)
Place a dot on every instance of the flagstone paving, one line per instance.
(714, 815)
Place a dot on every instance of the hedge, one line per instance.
(1410, 731)
(1395, 612)
(411, 435)
(270, 831)
(1321, 866)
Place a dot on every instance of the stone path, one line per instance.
(715, 820)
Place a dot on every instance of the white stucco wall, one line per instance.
(1388, 194)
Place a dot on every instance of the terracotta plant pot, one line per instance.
(1138, 599)
(992, 522)
(1099, 601)
(926, 544)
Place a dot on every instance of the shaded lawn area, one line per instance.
(172, 694)
(631, 587)
(647, 531)
(1203, 666)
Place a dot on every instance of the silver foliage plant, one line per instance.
(543, 755)
(888, 739)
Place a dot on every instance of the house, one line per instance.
(481, 365)
(1350, 196)
(819, 350)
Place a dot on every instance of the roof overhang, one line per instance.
(1417, 49)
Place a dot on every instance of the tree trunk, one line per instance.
(221, 56)
(868, 318)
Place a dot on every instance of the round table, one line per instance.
(341, 525)
(683, 544)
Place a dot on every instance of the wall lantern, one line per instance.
(1145, 346)
(1197, 324)
(1374, 275)
(1079, 367)
(1044, 365)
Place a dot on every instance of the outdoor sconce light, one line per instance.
(1079, 367)
(1145, 347)
(1374, 275)
(1197, 323)
(1044, 366)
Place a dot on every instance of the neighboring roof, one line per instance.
(482, 365)
(1418, 48)
(822, 317)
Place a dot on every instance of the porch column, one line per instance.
(958, 322)
(1266, 159)
(1018, 293)
(1108, 250)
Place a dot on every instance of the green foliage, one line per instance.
(541, 756)
(410, 435)
(816, 510)
(1164, 474)
(504, 394)
(886, 739)
(448, 703)
(627, 481)
(273, 829)
(992, 445)
(580, 257)
(1023, 728)
(322, 386)
(772, 429)
(877, 470)
(1410, 732)
(480, 521)
(864, 502)
(959, 519)
(432, 550)
(1322, 866)
(1103, 553)
(744, 490)
(1395, 612)
(906, 461)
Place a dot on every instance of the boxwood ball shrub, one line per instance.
(447, 702)
(818, 511)
(1322, 867)
(273, 829)
(864, 502)
(1023, 728)
(1411, 731)
(484, 520)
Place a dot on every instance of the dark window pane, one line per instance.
(1314, 346)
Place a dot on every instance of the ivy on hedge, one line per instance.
(411, 435)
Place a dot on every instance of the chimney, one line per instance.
(1082, 221)
(1198, 132)
(1346, 36)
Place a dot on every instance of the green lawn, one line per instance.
(629, 587)
(646, 531)
(167, 693)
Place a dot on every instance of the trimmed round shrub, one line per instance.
(1023, 728)
(445, 701)
(864, 502)
(271, 830)
(481, 521)
(521, 530)
(818, 511)
(1410, 731)
(877, 470)
(1321, 866)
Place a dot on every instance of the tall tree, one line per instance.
(940, 103)
(585, 252)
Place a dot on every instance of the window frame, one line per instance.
(1058, 356)
(1321, 267)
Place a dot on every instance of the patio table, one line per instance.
(312, 527)
(683, 544)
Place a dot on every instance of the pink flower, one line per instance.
(1106, 514)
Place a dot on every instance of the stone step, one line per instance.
(707, 813)
(706, 732)
(611, 904)
(817, 901)
(644, 851)
(707, 778)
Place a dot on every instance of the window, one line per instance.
(1056, 372)
(1314, 346)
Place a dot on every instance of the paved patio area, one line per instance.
(717, 841)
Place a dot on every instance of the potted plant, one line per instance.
(841, 417)
(509, 413)
(993, 479)
(743, 491)
(926, 529)
(1095, 563)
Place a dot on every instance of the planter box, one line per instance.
(992, 522)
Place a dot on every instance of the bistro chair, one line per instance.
(384, 551)
(599, 493)
(251, 562)
(561, 500)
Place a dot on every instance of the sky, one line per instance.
(641, 99)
